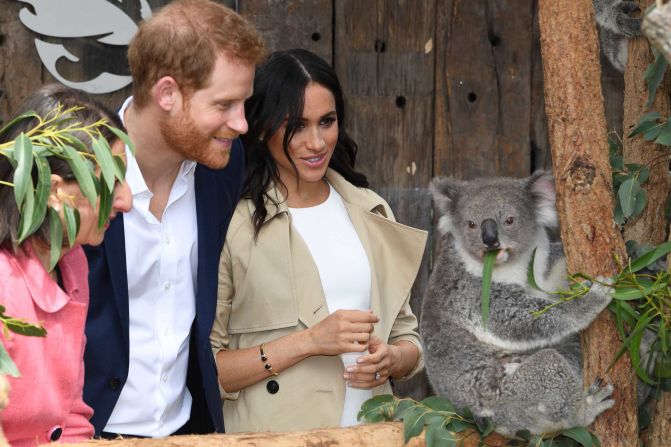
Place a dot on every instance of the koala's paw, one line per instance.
(601, 289)
(595, 401)
(628, 25)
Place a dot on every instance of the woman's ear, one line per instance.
(167, 93)
(55, 199)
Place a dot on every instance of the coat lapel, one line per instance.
(115, 250)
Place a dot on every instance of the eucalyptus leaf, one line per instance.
(664, 136)
(580, 435)
(105, 160)
(83, 173)
(7, 365)
(643, 127)
(438, 436)
(654, 74)
(23, 116)
(531, 277)
(487, 269)
(627, 196)
(649, 257)
(413, 422)
(104, 205)
(439, 404)
(123, 137)
(26, 213)
(652, 133)
(56, 235)
(384, 404)
(403, 405)
(22, 179)
(22, 327)
(640, 201)
(41, 193)
(71, 218)
(618, 216)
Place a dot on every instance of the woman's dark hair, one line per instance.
(279, 92)
(43, 101)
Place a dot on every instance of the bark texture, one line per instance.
(650, 227)
(388, 434)
(577, 129)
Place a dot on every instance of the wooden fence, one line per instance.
(433, 87)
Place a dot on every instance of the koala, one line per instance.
(522, 372)
(615, 27)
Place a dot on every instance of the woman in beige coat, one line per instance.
(313, 313)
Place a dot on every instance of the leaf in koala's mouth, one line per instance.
(487, 268)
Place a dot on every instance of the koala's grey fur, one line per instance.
(524, 373)
(615, 27)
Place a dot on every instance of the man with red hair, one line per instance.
(150, 371)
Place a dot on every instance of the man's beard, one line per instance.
(183, 137)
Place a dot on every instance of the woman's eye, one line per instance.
(327, 122)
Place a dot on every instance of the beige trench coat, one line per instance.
(271, 287)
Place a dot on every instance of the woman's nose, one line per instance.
(123, 199)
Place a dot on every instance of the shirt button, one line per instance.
(272, 386)
(55, 433)
(166, 286)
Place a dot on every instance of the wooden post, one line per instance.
(577, 128)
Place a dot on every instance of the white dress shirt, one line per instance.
(344, 271)
(161, 265)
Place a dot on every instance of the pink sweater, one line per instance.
(48, 395)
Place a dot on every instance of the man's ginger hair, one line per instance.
(183, 40)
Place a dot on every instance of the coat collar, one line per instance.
(394, 251)
(46, 292)
(276, 203)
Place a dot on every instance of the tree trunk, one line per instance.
(577, 127)
(650, 227)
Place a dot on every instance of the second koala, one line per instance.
(523, 372)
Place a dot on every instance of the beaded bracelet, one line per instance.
(264, 359)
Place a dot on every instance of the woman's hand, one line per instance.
(342, 331)
(375, 368)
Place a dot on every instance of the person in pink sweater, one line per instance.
(45, 402)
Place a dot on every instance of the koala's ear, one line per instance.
(444, 191)
(541, 185)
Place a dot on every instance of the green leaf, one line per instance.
(639, 203)
(403, 406)
(23, 154)
(439, 404)
(457, 425)
(653, 132)
(21, 117)
(27, 211)
(485, 426)
(618, 216)
(123, 137)
(438, 436)
(105, 160)
(104, 206)
(22, 327)
(580, 435)
(664, 136)
(645, 287)
(487, 269)
(7, 365)
(643, 127)
(383, 405)
(531, 277)
(83, 173)
(654, 75)
(41, 194)
(627, 194)
(661, 335)
(413, 422)
(71, 218)
(119, 168)
(649, 257)
(56, 235)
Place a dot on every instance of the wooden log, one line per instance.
(387, 434)
(577, 126)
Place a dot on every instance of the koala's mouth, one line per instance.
(502, 256)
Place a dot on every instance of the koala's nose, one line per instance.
(490, 233)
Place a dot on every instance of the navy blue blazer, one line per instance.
(106, 355)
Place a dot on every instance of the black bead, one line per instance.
(272, 386)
